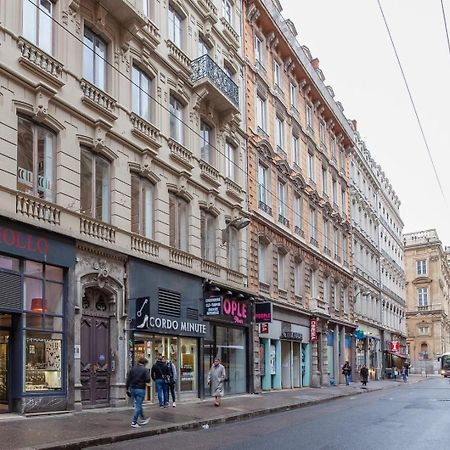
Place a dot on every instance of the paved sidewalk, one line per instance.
(96, 427)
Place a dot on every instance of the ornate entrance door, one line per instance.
(95, 350)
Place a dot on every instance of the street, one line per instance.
(412, 416)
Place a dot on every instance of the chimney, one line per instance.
(315, 63)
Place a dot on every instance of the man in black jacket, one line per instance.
(137, 378)
(160, 375)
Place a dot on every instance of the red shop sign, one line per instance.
(395, 346)
(313, 330)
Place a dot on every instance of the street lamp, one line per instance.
(237, 223)
(363, 293)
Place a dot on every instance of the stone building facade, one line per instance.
(300, 237)
(121, 132)
(427, 297)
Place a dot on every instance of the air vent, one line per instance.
(169, 303)
(10, 291)
(192, 313)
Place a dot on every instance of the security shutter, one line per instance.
(10, 291)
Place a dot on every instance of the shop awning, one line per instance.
(399, 355)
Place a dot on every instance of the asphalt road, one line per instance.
(412, 417)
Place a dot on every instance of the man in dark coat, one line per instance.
(137, 378)
(160, 375)
(364, 374)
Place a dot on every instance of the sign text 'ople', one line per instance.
(235, 309)
(23, 241)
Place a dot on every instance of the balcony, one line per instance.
(314, 241)
(208, 9)
(264, 207)
(35, 208)
(180, 153)
(299, 231)
(143, 245)
(230, 34)
(209, 173)
(40, 62)
(283, 220)
(221, 90)
(98, 99)
(145, 130)
(179, 57)
(97, 230)
(181, 258)
(125, 12)
(327, 251)
(233, 189)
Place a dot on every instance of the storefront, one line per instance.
(165, 308)
(285, 352)
(368, 352)
(229, 318)
(33, 318)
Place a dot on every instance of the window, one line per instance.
(233, 248)
(337, 295)
(342, 160)
(176, 120)
(293, 94)
(94, 185)
(336, 241)
(206, 148)
(175, 24)
(142, 206)
(298, 272)
(313, 283)
(178, 222)
(279, 133)
(324, 180)
(94, 59)
(421, 267)
(227, 11)
(37, 23)
(35, 160)
(311, 166)
(141, 89)
(422, 294)
(333, 147)
(298, 212)
(423, 330)
(345, 298)
(277, 74)
(262, 262)
(281, 270)
(145, 8)
(344, 200)
(296, 150)
(203, 47)
(261, 113)
(345, 249)
(334, 185)
(259, 49)
(43, 293)
(326, 234)
(208, 236)
(322, 132)
(282, 199)
(309, 117)
(230, 161)
(263, 174)
(312, 223)
(326, 290)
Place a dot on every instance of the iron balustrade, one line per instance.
(205, 67)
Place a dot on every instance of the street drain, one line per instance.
(444, 400)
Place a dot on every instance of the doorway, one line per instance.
(5, 324)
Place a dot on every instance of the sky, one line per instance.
(356, 56)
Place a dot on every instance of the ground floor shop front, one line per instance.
(368, 350)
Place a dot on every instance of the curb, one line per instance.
(76, 444)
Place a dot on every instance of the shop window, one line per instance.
(141, 89)
(208, 236)
(176, 120)
(178, 222)
(9, 263)
(94, 59)
(95, 186)
(142, 206)
(35, 160)
(37, 24)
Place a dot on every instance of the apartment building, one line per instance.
(300, 233)
(427, 299)
(366, 257)
(122, 197)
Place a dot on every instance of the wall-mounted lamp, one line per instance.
(237, 223)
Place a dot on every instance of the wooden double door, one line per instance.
(95, 367)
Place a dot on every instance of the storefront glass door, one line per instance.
(4, 360)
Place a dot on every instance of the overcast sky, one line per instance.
(350, 40)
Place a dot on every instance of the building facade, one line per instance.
(427, 297)
(122, 186)
(300, 233)
(366, 258)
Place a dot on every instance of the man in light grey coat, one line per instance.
(216, 378)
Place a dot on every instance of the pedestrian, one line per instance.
(172, 380)
(216, 378)
(137, 378)
(395, 373)
(364, 374)
(160, 375)
(347, 371)
(405, 374)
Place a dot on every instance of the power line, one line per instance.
(304, 220)
(413, 104)
(445, 24)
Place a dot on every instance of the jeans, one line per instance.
(347, 378)
(163, 392)
(172, 392)
(138, 396)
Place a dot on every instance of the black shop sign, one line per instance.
(263, 312)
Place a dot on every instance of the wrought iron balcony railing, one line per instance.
(205, 67)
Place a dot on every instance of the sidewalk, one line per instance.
(104, 426)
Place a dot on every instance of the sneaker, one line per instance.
(135, 425)
(144, 421)
(174, 404)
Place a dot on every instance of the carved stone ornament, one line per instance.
(102, 269)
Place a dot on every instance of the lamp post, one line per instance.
(238, 223)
